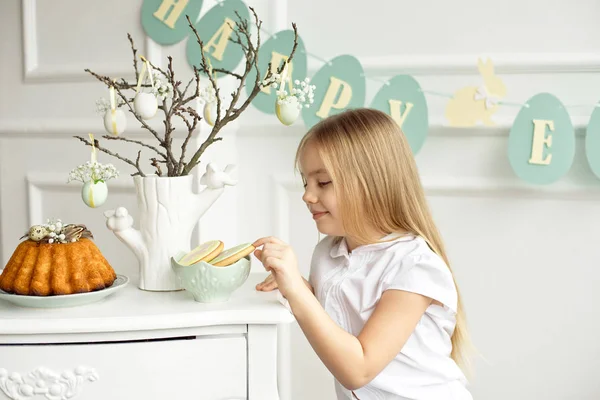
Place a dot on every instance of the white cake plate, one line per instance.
(68, 300)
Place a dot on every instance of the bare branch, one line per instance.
(155, 164)
(116, 155)
(124, 139)
(227, 72)
(134, 51)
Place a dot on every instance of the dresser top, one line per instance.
(133, 309)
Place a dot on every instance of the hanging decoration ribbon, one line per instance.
(146, 67)
(145, 104)
(93, 156)
(115, 121)
(113, 110)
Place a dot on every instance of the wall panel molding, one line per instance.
(250, 127)
(458, 64)
(40, 182)
(67, 72)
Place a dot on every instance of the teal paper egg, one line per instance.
(340, 85)
(278, 45)
(402, 98)
(592, 142)
(215, 29)
(165, 23)
(541, 143)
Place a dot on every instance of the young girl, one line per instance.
(380, 308)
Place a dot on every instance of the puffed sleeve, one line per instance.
(425, 274)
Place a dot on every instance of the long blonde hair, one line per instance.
(374, 172)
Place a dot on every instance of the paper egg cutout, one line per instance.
(402, 98)
(115, 122)
(276, 49)
(210, 112)
(541, 142)
(592, 142)
(94, 194)
(340, 85)
(146, 105)
(288, 112)
(214, 29)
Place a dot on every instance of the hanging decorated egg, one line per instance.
(115, 121)
(94, 194)
(287, 110)
(210, 112)
(146, 105)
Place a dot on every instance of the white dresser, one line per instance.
(146, 345)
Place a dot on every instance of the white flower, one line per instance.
(95, 172)
(162, 87)
(208, 94)
(103, 105)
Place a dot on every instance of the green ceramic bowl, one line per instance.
(210, 284)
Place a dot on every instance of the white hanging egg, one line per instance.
(94, 194)
(210, 112)
(115, 122)
(289, 111)
(145, 104)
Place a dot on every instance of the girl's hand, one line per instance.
(279, 258)
(268, 284)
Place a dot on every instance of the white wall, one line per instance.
(525, 257)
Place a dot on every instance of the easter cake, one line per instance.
(56, 259)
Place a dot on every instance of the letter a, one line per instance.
(220, 39)
(276, 59)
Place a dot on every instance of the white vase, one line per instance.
(168, 212)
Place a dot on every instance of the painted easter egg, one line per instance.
(592, 142)
(115, 121)
(165, 21)
(215, 29)
(288, 111)
(340, 85)
(402, 98)
(541, 143)
(37, 232)
(145, 104)
(94, 194)
(276, 49)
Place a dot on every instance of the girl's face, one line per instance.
(319, 193)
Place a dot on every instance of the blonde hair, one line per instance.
(374, 172)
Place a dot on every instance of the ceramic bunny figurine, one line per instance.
(472, 104)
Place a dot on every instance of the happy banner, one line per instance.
(541, 143)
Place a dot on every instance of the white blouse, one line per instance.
(349, 285)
